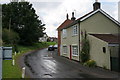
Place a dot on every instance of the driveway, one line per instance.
(47, 64)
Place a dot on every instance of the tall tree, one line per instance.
(21, 17)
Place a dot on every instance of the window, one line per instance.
(75, 50)
(64, 33)
(64, 49)
(104, 49)
(75, 30)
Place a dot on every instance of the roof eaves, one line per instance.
(71, 24)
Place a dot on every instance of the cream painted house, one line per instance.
(102, 31)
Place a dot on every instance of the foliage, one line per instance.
(21, 17)
(90, 63)
(51, 43)
(10, 37)
(85, 48)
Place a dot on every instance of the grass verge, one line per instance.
(10, 71)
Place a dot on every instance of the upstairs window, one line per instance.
(64, 33)
(75, 30)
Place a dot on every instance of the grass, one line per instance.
(10, 71)
(51, 43)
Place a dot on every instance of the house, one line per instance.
(102, 31)
(44, 38)
(52, 39)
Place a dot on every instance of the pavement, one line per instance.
(47, 64)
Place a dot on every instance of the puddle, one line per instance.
(46, 76)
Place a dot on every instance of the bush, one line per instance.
(84, 56)
(10, 37)
(90, 63)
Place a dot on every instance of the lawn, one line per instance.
(10, 71)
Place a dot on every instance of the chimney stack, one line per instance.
(67, 16)
(96, 5)
(73, 18)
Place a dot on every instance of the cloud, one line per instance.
(53, 12)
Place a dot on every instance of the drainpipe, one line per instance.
(79, 38)
(119, 51)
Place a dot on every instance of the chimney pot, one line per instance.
(67, 16)
(73, 18)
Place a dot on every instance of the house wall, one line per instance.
(98, 23)
(70, 40)
(96, 52)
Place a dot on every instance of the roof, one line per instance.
(65, 23)
(107, 38)
(90, 14)
(103, 12)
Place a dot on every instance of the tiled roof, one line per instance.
(107, 38)
(88, 15)
(65, 23)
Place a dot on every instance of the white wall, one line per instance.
(96, 52)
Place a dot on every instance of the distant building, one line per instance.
(44, 38)
(52, 39)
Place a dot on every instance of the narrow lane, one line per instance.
(46, 64)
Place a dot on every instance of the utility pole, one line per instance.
(119, 35)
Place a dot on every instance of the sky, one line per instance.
(53, 12)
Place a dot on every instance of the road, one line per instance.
(47, 64)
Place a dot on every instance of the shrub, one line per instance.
(84, 56)
(10, 37)
(90, 63)
(85, 48)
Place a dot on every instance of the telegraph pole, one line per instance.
(119, 36)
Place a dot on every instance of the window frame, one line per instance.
(64, 32)
(65, 49)
(75, 30)
(74, 54)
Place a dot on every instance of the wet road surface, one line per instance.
(47, 64)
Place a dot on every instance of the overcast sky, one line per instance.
(53, 12)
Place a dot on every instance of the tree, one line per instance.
(10, 37)
(21, 17)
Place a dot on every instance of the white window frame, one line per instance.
(64, 33)
(74, 52)
(64, 49)
(75, 30)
